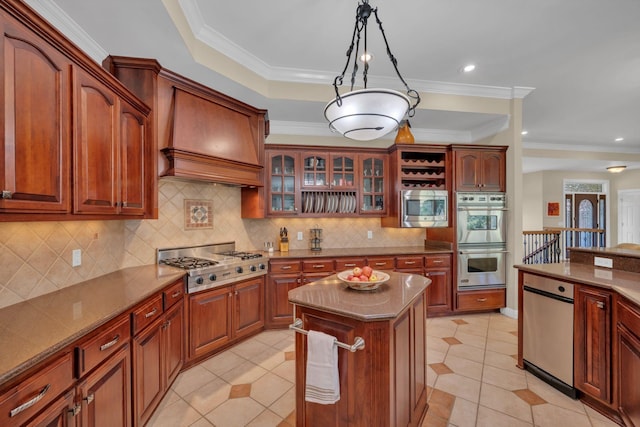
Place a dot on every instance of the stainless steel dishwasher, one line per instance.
(548, 331)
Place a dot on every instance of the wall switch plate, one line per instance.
(76, 257)
(369, 234)
(602, 262)
(299, 235)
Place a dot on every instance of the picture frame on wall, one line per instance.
(553, 209)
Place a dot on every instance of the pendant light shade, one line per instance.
(368, 114)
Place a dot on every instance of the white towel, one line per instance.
(323, 380)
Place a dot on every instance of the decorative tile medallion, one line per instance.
(198, 214)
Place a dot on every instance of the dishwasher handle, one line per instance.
(547, 294)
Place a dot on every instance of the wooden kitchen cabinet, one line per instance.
(36, 140)
(480, 169)
(220, 316)
(438, 270)
(593, 308)
(105, 394)
(374, 183)
(381, 262)
(282, 183)
(481, 300)
(109, 152)
(283, 276)
(628, 363)
(157, 359)
(57, 414)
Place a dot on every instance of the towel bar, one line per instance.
(358, 343)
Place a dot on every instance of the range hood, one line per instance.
(215, 139)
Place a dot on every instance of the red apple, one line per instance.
(350, 277)
(367, 271)
(357, 271)
(364, 278)
(354, 279)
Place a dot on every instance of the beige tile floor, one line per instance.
(472, 381)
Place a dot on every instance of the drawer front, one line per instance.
(174, 294)
(318, 265)
(405, 262)
(343, 264)
(629, 318)
(381, 263)
(147, 313)
(482, 300)
(284, 266)
(437, 261)
(24, 400)
(92, 352)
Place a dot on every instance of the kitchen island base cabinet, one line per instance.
(628, 339)
(383, 384)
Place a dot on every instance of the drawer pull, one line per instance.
(318, 265)
(285, 267)
(350, 264)
(437, 261)
(409, 262)
(380, 264)
(481, 300)
(176, 294)
(151, 313)
(28, 404)
(110, 344)
(89, 398)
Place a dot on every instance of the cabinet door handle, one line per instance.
(89, 398)
(75, 410)
(481, 300)
(600, 304)
(110, 344)
(285, 267)
(29, 403)
(151, 313)
(350, 264)
(6, 194)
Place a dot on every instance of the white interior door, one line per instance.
(629, 216)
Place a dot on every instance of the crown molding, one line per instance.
(564, 146)
(50, 11)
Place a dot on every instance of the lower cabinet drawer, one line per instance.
(407, 262)
(147, 313)
(380, 263)
(320, 265)
(92, 352)
(482, 300)
(343, 264)
(24, 400)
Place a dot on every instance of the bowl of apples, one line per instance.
(363, 278)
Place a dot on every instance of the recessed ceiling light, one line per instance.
(524, 132)
(619, 139)
(468, 68)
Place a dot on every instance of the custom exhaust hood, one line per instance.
(215, 139)
(201, 134)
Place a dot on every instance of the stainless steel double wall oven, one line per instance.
(482, 240)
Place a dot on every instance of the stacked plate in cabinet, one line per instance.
(328, 202)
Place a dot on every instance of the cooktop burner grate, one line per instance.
(242, 255)
(188, 263)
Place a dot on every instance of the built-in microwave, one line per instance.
(424, 208)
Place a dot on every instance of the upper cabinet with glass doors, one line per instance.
(331, 171)
(373, 191)
(282, 195)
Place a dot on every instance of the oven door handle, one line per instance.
(482, 252)
(479, 208)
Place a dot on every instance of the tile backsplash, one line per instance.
(35, 257)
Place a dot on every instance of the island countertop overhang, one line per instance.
(334, 296)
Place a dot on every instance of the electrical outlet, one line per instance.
(602, 262)
(76, 257)
(299, 235)
(369, 234)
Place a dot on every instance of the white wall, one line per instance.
(532, 212)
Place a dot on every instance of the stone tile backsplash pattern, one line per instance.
(35, 257)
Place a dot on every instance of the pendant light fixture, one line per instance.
(367, 114)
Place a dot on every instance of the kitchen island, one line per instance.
(382, 383)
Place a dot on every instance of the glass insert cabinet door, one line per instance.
(315, 171)
(282, 184)
(343, 171)
(373, 186)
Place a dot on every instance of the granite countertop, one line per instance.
(356, 252)
(387, 302)
(31, 331)
(624, 252)
(625, 283)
